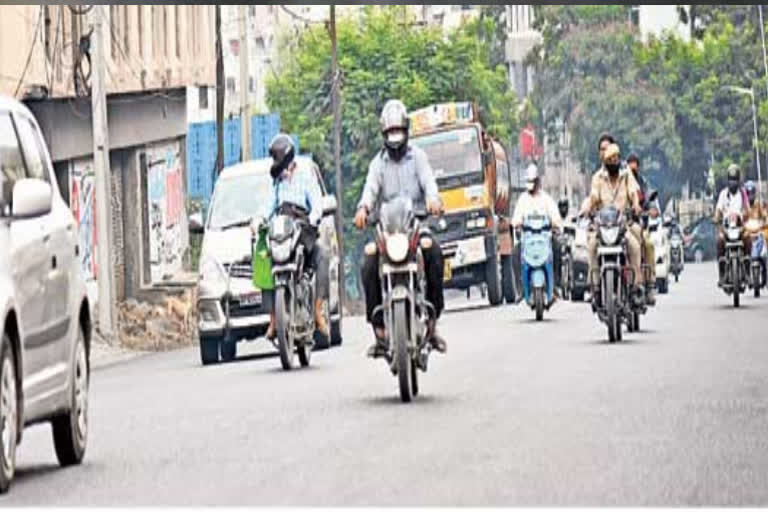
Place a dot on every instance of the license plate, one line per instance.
(250, 299)
(447, 271)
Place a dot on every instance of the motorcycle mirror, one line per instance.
(653, 196)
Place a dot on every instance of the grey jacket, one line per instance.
(410, 177)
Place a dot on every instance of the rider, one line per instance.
(400, 169)
(536, 201)
(603, 142)
(732, 199)
(612, 185)
(649, 250)
(756, 209)
(297, 194)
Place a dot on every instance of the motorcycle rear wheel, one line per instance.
(285, 341)
(402, 357)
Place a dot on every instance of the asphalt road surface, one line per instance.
(517, 413)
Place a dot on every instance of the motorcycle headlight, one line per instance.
(734, 234)
(213, 279)
(397, 247)
(609, 235)
(281, 251)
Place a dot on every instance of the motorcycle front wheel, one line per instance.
(538, 297)
(402, 356)
(285, 341)
(736, 282)
(756, 280)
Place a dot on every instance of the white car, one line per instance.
(44, 368)
(661, 245)
(230, 308)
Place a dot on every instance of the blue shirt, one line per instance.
(299, 188)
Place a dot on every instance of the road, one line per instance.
(517, 413)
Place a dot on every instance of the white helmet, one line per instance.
(531, 177)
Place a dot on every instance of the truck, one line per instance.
(473, 175)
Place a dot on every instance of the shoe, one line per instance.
(271, 333)
(380, 348)
(650, 297)
(434, 339)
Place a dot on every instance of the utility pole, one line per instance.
(219, 95)
(335, 86)
(106, 285)
(245, 111)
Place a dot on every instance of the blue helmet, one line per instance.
(751, 190)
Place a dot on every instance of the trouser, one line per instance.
(317, 257)
(633, 237)
(649, 251)
(433, 268)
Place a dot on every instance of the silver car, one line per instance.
(230, 308)
(44, 369)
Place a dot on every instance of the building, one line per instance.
(521, 39)
(158, 59)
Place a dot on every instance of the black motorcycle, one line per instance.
(404, 306)
(737, 263)
(294, 291)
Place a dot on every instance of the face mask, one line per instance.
(396, 143)
(395, 138)
(613, 169)
(531, 185)
(733, 187)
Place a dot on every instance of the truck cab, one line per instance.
(473, 175)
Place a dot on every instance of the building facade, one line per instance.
(157, 59)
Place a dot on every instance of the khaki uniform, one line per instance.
(622, 194)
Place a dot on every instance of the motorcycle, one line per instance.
(661, 250)
(537, 264)
(294, 291)
(615, 304)
(579, 259)
(404, 306)
(735, 261)
(759, 256)
(676, 259)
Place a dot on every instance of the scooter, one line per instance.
(537, 264)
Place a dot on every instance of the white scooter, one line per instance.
(661, 246)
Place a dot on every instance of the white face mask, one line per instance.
(530, 185)
(395, 137)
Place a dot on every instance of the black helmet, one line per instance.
(563, 206)
(282, 152)
(633, 158)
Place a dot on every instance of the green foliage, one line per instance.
(381, 57)
(587, 78)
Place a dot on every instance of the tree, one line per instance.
(381, 57)
(587, 78)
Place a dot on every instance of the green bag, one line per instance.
(262, 264)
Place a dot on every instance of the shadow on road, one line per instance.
(394, 399)
(36, 471)
(533, 321)
(466, 309)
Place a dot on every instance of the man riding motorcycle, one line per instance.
(297, 194)
(605, 140)
(732, 199)
(536, 201)
(756, 209)
(400, 169)
(649, 250)
(612, 185)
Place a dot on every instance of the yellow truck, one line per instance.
(473, 175)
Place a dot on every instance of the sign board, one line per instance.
(441, 114)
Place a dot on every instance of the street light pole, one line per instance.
(757, 147)
(751, 94)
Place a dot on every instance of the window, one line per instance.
(231, 87)
(32, 148)
(251, 84)
(202, 92)
(11, 161)
(114, 20)
(177, 22)
(140, 23)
